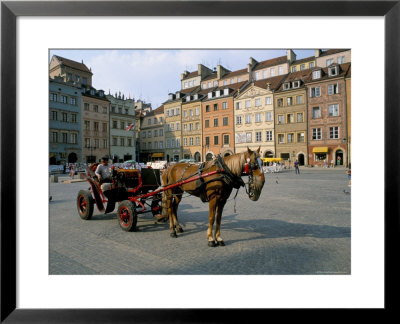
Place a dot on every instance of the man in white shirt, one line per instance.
(103, 173)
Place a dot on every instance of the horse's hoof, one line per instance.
(211, 244)
(173, 235)
(221, 243)
(179, 229)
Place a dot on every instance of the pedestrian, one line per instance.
(325, 166)
(332, 163)
(296, 167)
(349, 177)
(71, 171)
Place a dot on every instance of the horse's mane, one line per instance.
(235, 163)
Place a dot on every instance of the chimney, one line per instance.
(184, 74)
(252, 62)
(268, 86)
(317, 53)
(291, 56)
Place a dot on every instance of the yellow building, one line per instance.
(254, 116)
(192, 126)
(303, 64)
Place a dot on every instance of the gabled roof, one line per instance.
(274, 82)
(343, 71)
(159, 110)
(306, 59)
(270, 62)
(234, 73)
(73, 64)
(191, 75)
(333, 51)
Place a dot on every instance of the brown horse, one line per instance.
(215, 188)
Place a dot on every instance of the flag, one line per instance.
(128, 128)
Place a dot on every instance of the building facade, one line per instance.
(95, 125)
(192, 126)
(152, 137)
(327, 115)
(254, 117)
(291, 118)
(70, 71)
(64, 122)
(122, 116)
(173, 132)
(218, 121)
(325, 58)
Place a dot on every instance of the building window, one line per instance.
(172, 143)
(290, 118)
(299, 100)
(96, 108)
(268, 136)
(268, 116)
(289, 101)
(206, 123)
(316, 134)
(258, 136)
(224, 105)
(64, 99)
(123, 125)
(226, 139)
(248, 119)
(334, 132)
(149, 134)
(316, 74)
(257, 75)
(149, 146)
(96, 126)
(216, 140)
(73, 101)
(204, 86)
(155, 133)
(122, 141)
(248, 103)
(272, 71)
(87, 124)
(225, 121)
(300, 117)
(333, 89)
(191, 141)
(115, 141)
(258, 102)
(207, 108)
(155, 145)
(268, 101)
(294, 68)
(178, 126)
(311, 65)
(258, 117)
(315, 92)
(74, 138)
(300, 137)
(265, 75)
(185, 141)
(215, 122)
(239, 105)
(161, 132)
(105, 127)
(280, 102)
(333, 110)
(281, 138)
(280, 70)
(316, 112)
(238, 120)
(290, 137)
(184, 127)
(329, 62)
(87, 142)
(160, 145)
(215, 107)
(53, 97)
(340, 59)
(197, 126)
(86, 106)
(302, 67)
(197, 140)
(207, 140)
(191, 126)
(197, 111)
(281, 119)
(332, 71)
(54, 115)
(73, 118)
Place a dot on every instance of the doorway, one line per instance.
(339, 157)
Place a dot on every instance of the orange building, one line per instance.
(218, 121)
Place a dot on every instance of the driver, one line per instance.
(103, 173)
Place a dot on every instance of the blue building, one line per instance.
(65, 100)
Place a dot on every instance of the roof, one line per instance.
(306, 59)
(271, 62)
(343, 72)
(274, 82)
(333, 51)
(159, 110)
(234, 73)
(211, 76)
(73, 64)
(191, 75)
(235, 87)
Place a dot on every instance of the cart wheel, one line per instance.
(85, 204)
(127, 216)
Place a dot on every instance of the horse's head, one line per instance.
(256, 176)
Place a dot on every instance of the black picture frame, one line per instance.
(10, 10)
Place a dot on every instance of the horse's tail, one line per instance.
(164, 182)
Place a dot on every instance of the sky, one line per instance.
(150, 75)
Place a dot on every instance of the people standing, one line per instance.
(296, 167)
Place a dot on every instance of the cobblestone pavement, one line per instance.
(300, 225)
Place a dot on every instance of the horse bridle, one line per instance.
(252, 166)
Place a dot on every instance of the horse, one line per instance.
(214, 189)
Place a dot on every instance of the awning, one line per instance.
(322, 149)
(156, 155)
(272, 159)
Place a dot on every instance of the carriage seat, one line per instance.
(128, 177)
